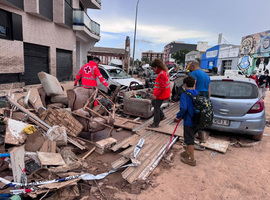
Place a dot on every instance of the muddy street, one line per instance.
(240, 173)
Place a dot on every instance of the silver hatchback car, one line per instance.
(237, 106)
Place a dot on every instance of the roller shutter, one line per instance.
(36, 59)
(64, 65)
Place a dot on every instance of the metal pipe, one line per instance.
(135, 36)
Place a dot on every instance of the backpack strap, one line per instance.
(189, 94)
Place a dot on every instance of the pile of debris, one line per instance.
(45, 152)
(38, 143)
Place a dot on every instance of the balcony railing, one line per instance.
(80, 18)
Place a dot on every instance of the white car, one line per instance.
(115, 76)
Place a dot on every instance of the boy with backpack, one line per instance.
(187, 112)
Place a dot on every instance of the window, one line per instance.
(46, 9)
(227, 65)
(104, 74)
(241, 90)
(68, 13)
(10, 26)
(5, 24)
(3, 31)
(118, 73)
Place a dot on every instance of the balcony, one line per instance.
(93, 4)
(18, 4)
(83, 23)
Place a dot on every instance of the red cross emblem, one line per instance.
(87, 69)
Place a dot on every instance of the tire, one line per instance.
(257, 137)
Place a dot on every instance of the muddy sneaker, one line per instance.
(184, 155)
(188, 161)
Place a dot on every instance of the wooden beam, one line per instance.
(93, 149)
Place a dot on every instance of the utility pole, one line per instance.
(134, 43)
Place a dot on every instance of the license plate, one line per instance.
(222, 122)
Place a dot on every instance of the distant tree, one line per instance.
(179, 56)
(137, 62)
(146, 60)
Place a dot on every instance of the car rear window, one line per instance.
(233, 90)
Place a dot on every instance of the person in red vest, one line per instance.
(162, 90)
(254, 77)
(89, 73)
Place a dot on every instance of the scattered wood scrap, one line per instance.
(47, 158)
(126, 123)
(17, 161)
(168, 129)
(216, 144)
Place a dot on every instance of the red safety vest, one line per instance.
(89, 74)
(167, 92)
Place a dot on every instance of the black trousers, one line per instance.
(158, 113)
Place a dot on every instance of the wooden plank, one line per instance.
(70, 140)
(147, 170)
(151, 139)
(119, 162)
(17, 162)
(50, 158)
(125, 123)
(83, 158)
(48, 146)
(216, 144)
(168, 129)
(11, 101)
(131, 173)
(123, 143)
(105, 144)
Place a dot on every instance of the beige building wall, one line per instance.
(36, 31)
(53, 34)
(11, 56)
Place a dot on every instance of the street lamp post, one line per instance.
(134, 37)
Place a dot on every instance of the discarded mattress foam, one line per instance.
(50, 84)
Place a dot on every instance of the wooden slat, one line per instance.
(123, 143)
(151, 139)
(119, 162)
(131, 173)
(168, 129)
(147, 170)
(216, 144)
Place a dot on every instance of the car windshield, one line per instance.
(233, 90)
(118, 73)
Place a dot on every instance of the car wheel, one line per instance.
(257, 137)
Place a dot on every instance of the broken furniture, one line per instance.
(138, 103)
(51, 91)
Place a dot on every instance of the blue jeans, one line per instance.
(204, 94)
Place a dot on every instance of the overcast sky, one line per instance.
(160, 22)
